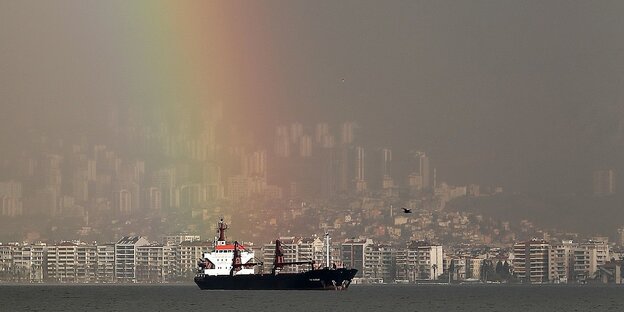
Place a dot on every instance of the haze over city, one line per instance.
(153, 118)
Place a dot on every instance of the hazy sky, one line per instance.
(523, 93)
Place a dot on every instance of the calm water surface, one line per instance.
(358, 298)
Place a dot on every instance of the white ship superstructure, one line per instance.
(221, 260)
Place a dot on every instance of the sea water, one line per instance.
(189, 298)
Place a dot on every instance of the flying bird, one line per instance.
(405, 210)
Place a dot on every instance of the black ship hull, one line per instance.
(322, 279)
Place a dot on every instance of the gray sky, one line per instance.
(527, 94)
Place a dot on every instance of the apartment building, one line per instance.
(189, 252)
(531, 260)
(425, 260)
(352, 252)
(126, 258)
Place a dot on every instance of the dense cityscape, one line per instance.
(270, 155)
(63, 195)
(174, 259)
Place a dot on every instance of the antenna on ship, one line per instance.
(327, 247)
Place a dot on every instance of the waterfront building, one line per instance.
(126, 258)
(561, 261)
(189, 252)
(86, 263)
(61, 262)
(424, 260)
(105, 272)
(588, 256)
(155, 263)
(28, 262)
(352, 252)
(473, 267)
(531, 260)
(380, 263)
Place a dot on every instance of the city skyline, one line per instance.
(492, 122)
(449, 78)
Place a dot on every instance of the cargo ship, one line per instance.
(232, 266)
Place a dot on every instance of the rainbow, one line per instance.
(185, 56)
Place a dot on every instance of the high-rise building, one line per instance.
(328, 172)
(47, 200)
(305, 146)
(419, 166)
(213, 181)
(321, 131)
(344, 169)
(296, 132)
(282, 142)
(282, 146)
(386, 169)
(620, 232)
(80, 185)
(347, 133)
(255, 164)
(604, 182)
(360, 165)
(386, 162)
(190, 196)
(123, 201)
(153, 199)
(10, 199)
(238, 187)
(166, 180)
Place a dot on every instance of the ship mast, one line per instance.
(278, 261)
(236, 260)
(327, 247)
(222, 227)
